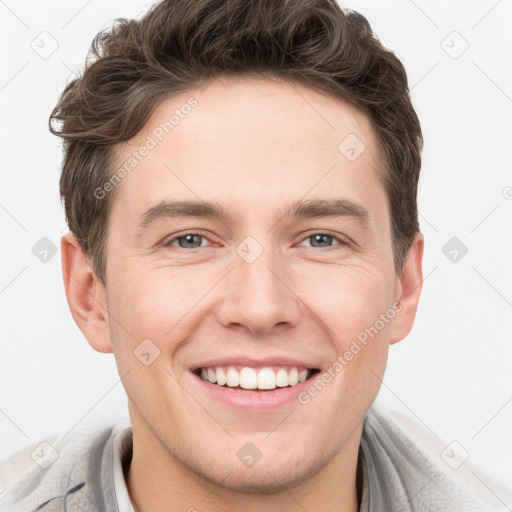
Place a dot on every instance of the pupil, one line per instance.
(320, 236)
(189, 239)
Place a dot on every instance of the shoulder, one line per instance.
(74, 468)
(407, 462)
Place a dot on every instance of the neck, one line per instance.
(160, 482)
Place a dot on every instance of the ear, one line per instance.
(409, 291)
(85, 294)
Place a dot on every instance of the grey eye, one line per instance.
(190, 241)
(322, 239)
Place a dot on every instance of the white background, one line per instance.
(453, 372)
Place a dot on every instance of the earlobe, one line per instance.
(410, 286)
(85, 295)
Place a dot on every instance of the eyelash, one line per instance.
(342, 241)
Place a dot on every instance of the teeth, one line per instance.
(266, 379)
(282, 378)
(293, 377)
(249, 378)
(220, 376)
(232, 378)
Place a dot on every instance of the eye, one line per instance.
(324, 239)
(195, 240)
(187, 241)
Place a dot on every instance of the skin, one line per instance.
(252, 145)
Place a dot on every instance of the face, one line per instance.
(280, 276)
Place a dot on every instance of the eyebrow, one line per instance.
(312, 208)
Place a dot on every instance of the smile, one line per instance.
(264, 378)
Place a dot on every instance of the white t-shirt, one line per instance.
(122, 448)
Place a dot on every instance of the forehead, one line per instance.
(251, 143)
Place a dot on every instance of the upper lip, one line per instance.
(253, 362)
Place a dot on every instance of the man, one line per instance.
(240, 184)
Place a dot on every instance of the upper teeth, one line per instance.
(251, 378)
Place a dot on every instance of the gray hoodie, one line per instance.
(405, 468)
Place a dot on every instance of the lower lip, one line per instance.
(254, 399)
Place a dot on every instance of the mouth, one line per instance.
(255, 378)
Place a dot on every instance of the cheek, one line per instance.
(163, 306)
(349, 300)
(355, 306)
(150, 302)
(145, 334)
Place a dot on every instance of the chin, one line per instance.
(266, 476)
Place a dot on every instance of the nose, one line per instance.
(259, 296)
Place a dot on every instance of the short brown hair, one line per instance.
(181, 44)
